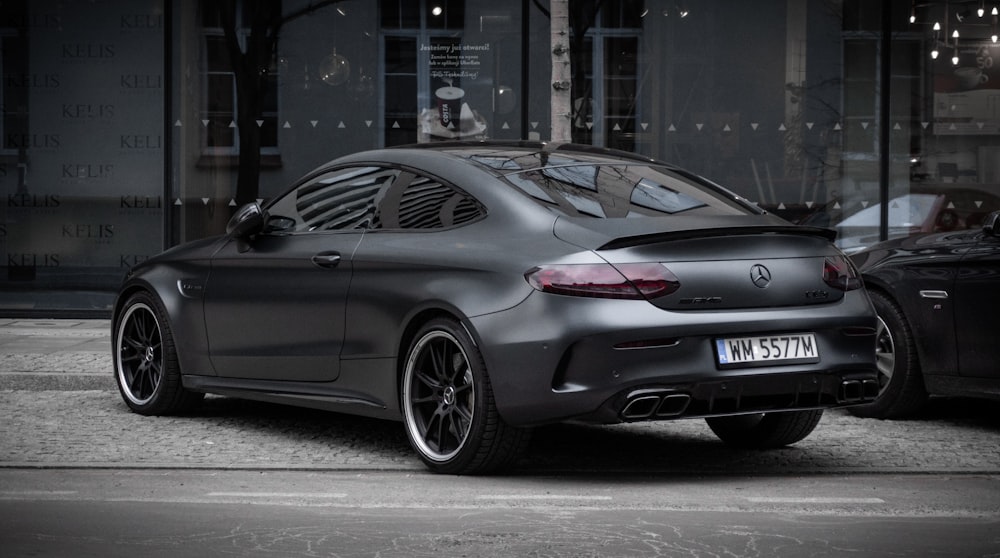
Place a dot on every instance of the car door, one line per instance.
(977, 309)
(275, 303)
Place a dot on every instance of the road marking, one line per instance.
(20, 493)
(540, 497)
(778, 500)
(276, 495)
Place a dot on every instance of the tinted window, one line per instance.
(425, 203)
(621, 190)
(361, 198)
(342, 200)
(579, 184)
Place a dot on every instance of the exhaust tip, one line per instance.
(640, 407)
(673, 405)
(870, 388)
(647, 404)
(858, 391)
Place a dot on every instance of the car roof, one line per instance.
(504, 158)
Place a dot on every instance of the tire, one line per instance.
(448, 407)
(145, 360)
(765, 430)
(901, 383)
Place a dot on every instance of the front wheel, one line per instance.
(145, 360)
(448, 407)
(765, 430)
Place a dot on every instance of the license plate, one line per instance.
(780, 349)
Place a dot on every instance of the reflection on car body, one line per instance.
(923, 210)
(476, 290)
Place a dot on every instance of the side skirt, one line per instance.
(323, 396)
(962, 386)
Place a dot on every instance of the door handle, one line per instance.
(327, 259)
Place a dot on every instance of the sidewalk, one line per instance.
(55, 354)
(60, 408)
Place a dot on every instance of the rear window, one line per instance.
(611, 189)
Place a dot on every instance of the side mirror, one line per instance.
(991, 225)
(247, 221)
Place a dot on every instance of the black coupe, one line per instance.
(473, 291)
(937, 298)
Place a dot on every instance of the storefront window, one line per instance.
(146, 124)
(81, 165)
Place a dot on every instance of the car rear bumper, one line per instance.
(556, 358)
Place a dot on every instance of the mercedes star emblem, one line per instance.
(760, 275)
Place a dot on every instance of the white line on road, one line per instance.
(776, 500)
(540, 497)
(276, 495)
(22, 493)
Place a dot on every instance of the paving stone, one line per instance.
(61, 409)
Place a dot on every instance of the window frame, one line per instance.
(242, 33)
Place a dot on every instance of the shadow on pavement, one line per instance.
(944, 438)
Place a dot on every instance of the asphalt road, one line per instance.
(393, 514)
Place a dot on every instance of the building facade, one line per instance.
(130, 126)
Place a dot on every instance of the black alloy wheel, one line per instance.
(145, 360)
(448, 408)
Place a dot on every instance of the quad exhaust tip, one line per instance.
(644, 405)
(858, 391)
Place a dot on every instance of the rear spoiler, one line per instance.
(641, 239)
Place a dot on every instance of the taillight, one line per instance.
(624, 281)
(839, 273)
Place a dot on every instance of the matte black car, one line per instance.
(937, 298)
(474, 291)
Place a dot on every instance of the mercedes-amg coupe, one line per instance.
(475, 290)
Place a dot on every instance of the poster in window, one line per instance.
(454, 70)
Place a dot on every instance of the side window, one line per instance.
(345, 199)
(424, 203)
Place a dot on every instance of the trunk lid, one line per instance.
(721, 262)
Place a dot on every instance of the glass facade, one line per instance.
(133, 125)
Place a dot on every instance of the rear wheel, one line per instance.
(765, 430)
(145, 360)
(901, 384)
(448, 407)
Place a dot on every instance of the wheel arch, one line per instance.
(184, 316)
(413, 325)
(889, 294)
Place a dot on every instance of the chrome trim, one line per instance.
(933, 294)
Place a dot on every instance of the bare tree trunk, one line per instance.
(562, 130)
